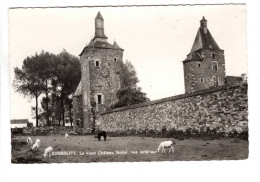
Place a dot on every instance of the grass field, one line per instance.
(83, 149)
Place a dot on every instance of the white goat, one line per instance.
(48, 152)
(66, 135)
(166, 144)
(38, 142)
(29, 141)
(35, 146)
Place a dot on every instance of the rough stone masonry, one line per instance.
(223, 108)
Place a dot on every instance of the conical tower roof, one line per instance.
(204, 39)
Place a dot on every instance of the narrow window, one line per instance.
(97, 64)
(214, 65)
(115, 59)
(202, 80)
(215, 81)
(99, 99)
(213, 55)
(199, 65)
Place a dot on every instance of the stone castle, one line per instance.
(100, 77)
(101, 64)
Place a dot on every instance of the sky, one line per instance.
(155, 39)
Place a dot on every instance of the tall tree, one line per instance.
(47, 74)
(68, 74)
(129, 93)
(27, 80)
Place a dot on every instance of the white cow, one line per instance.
(166, 144)
(48, 152)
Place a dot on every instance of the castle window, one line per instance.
(214, 65)
(97, 63)
(215, 81)
(199, 65)
(202, 80)
(115, 59)
(99, 99)
(213, 55)
(187, 76)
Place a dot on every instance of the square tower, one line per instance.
(204, 66)
(101, 64)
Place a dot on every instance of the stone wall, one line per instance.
(77, 114)
(221, 109)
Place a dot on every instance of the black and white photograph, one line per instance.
(163, 91)
(115, 84)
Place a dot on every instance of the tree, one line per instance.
(128, 75)
(27, 80)
(47, 74)
(130, 93)
(129, 96)
(68, 75)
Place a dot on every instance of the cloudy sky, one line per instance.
(156, 39)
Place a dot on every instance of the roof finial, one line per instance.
(99, 16)
(203, 19)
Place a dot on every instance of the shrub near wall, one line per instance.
(219, 111)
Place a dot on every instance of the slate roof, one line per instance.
(116, 46)
(19, 121)
(204, 41)
(101, 44)
(233, 79)
(194, 56)
(78, 91)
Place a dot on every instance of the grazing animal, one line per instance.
(48, 152)
(35, 146)
(166, 144)
(66, 135)
(38, 142)
(102, 133)
(29, 141)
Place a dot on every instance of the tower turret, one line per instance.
(205, 64)
(100, 78)
(203, 24)
(99, 27)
